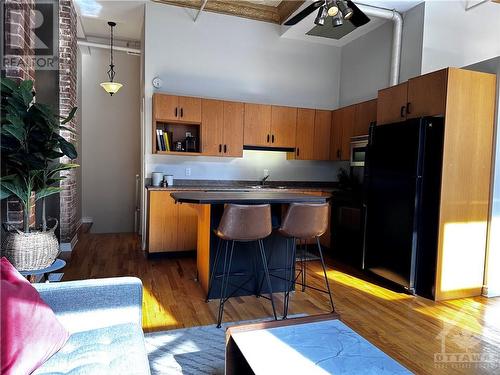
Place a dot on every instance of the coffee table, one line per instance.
(311, 345)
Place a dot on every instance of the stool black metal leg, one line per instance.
(324, 272)
(291, 279)
(225, 276)
(263, 276)
(304, 265)
(266, 270)
(214, 269)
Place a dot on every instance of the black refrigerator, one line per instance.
(401, 202)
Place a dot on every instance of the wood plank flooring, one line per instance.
(412, 330)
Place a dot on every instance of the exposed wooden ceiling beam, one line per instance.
(244, 9)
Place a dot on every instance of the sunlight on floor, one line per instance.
(154, 316)
(362, 285)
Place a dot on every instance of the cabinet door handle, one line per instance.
(298, 151)
(402, 113)
(272, 138)
(220, 148)
(268, 138)
(175, 111)
(408, 108)
(225, 148)
(338, 153)
(182, 112)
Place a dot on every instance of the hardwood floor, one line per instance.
(412, 330)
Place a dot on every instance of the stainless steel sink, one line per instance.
(265, 187)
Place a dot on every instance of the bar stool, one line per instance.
(240, 223)
(304, 221)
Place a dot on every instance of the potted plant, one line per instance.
(31, 148)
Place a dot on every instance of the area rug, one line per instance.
(190, 351)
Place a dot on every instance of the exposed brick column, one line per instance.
(17, 25)
(68, 99)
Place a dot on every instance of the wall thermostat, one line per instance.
(157, 82)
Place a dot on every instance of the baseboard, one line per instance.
(69, 246)
(490, 292)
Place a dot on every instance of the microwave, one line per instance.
(358, 150)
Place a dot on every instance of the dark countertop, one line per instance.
(247, 186)
(253, 197)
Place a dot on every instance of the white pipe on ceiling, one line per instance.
(397, 36)
(83, 42)
(200, 10)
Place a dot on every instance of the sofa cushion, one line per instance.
(31, 332)
(117, 349)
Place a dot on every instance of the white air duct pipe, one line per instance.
(397, 35)
(83, 42)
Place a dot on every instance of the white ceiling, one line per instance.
(129, 17)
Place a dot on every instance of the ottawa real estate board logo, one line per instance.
(461, 347)
(31, 35)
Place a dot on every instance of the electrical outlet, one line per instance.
(188, 171)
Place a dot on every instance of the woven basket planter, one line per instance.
(30, 251)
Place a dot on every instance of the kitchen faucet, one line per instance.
(264, 180)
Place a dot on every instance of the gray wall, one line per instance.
(233, 58)
(366, 60)
(110, 142)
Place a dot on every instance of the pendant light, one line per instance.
(111, 87)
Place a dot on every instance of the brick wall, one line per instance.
(69, 220)
(18, 17)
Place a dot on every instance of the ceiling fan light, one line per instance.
(111, 87)
(337, 20)
(347, 12)
(320, 18)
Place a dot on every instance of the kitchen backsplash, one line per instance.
(251, 167)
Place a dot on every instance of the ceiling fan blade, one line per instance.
(304, 13)
(358, 18)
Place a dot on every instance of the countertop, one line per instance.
(247, 186)
(244, 197)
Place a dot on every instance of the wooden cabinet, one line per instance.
(283, 126)
(257, 125)
(304, 149)
(171, 226)
(322, 130)
(342, 131)
(176, 108)
(427, 95)
(232, 144)
(391, 104)
(222, 128)
(420, 96)
(270, 126)
(366, 113)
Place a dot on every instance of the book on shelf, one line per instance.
(158, 140)
(166, 139)
(163, 140)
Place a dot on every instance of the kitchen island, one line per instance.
(210, 206)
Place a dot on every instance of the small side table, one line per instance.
(31, 275)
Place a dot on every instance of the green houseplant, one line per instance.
(31, 148)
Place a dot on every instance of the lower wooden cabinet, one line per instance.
(171, 226)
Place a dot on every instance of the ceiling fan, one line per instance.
(339, 10)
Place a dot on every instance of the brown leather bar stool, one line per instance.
(240, 223)
(304, 221)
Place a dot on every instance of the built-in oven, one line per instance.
(358, 150)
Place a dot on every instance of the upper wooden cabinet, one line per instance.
(257, 125)
(176, 108)
(322, 135)
(283, 126)
(427, 95)
(342, 131)
(420, 96)
(304, 149)
(391, 104)
(269, 126)
(366, 113)
(222, 128)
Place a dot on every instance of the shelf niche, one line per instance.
(177, 132)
